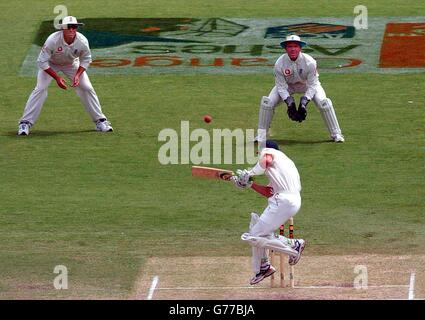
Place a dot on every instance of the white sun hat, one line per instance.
(69, 20)
(292, 38)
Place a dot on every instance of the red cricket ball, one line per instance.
(207, 119)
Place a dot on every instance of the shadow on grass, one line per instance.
(285, 142)
(38, 133)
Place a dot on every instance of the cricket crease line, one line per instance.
(411, 295)
(268, 288)
(152, 288)
(352, 287)
(211, 288)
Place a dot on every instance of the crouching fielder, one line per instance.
(296, 72)
(284, 201)
(65, 51)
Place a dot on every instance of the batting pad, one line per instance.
(329, 117)
(269, 243)
(265, 117)
(254, 219)
(258, 254)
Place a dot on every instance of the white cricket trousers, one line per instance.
(85, 91)
(324, 105)
(281, 207)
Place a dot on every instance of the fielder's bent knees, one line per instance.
(325, 104)
(85, 87)
(39, 88)
(266, 103)
(270, 102)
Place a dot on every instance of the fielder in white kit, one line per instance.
(284, 201)
(296, 72)
(67, 51)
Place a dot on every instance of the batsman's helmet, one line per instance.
(272, 144)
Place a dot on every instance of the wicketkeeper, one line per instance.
(296, 72)
(284, 201)
(66, 51)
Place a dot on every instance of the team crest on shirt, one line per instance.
(287, 72)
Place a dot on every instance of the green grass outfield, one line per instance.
(101, 204)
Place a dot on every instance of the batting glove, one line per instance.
(244, 176)
(238, 183)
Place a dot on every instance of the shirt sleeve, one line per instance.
(260, 166)
(44, 56)
(312, 81)
(85, 55)
(280, 82)
(257, 170)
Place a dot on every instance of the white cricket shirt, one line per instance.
(300, 74)
(282, 173)
(56, 51)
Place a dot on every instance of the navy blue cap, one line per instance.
(272, 144)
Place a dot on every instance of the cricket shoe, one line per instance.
(299, 247)
(338, 137)
(262, 274)
(103, 125)
(24, 129)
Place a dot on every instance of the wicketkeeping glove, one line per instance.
(302, 109)
(292, 108)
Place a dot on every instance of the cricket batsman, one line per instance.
(65, 51)
(296, 72)
(284, 201)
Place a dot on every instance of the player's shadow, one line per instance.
(287, 142)
(42, 133)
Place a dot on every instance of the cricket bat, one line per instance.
(212, 173)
